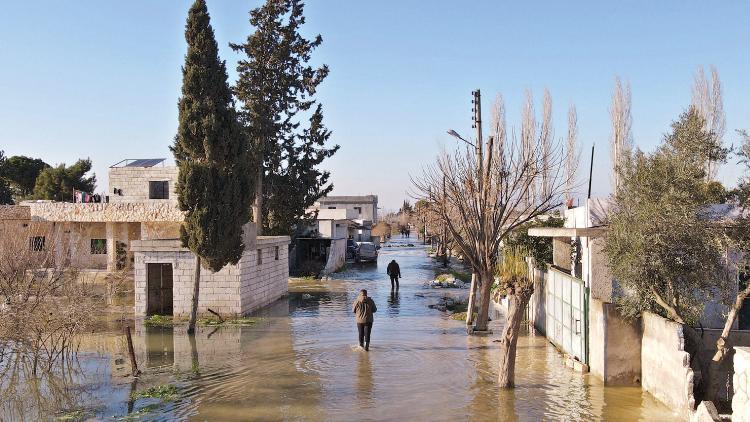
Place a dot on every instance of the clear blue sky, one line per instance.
(101, 79)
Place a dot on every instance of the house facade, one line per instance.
(136, 229)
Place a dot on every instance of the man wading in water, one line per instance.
(364, 307)
(394, 271)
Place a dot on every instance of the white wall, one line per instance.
(665, 365)
(741, 379)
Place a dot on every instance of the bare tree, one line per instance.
(528, 138)
(710, 105)
(621, 139)
(545, 140)
(489, 206)
(571, 153)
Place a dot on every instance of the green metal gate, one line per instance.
(567, 313)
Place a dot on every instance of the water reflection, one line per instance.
(393, 303)
(364, 381)
(300, 362)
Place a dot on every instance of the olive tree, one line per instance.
(663, 247)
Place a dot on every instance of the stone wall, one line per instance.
(15, 212)
(134, 182)
(234, 290)
(741, 380)
(160, 230)
(665, 365)
(112, 212)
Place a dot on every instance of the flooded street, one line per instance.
(301, 362)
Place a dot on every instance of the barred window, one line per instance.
(98, 246)
(36, 243)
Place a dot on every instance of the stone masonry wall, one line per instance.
(741, 380)
(134, 182)
(665, 365)
(134, 212)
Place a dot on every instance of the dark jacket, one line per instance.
(364, 308)
(393, 269)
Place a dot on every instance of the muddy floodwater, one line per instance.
(300, 362)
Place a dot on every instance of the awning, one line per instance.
(567, 231)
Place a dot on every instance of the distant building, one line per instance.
(136, 228)
(365, 207)
(322, 247)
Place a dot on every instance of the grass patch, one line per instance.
(442, 275)
(461, 316)
(138, 414)
(73, 415)
(166, 392)
(210, 322)
(159, 321)
(309, 277)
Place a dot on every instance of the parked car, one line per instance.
(366, 252)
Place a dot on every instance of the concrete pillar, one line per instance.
(123, 235)
(111, 247)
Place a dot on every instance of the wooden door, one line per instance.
(159, 289)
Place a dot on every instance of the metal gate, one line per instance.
(567, 314)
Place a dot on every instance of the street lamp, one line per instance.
(455, 134)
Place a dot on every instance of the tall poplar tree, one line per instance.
(276, 82)
(213, 188)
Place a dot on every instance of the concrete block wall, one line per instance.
(234, 290)
(265, 283)
(134, 182)
(219, 291)
(741, 380)
(665, 365)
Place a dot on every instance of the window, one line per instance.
(98, 246)
(158, 190)
(358, 209)
(277, 253)
(260, 256)
(36, 243)
(331, 208)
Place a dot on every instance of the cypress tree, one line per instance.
(213, 187)
(276, 83)
(294, 188)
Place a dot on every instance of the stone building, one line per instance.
(136, 229)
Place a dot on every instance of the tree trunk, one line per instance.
(722, 348)
(509, 339)
(483, 316)
(258, 204)
(196, 288)
(472, 299)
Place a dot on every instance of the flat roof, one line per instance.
(567, 231)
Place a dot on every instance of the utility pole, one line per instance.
(477, 124)
(445, 233)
